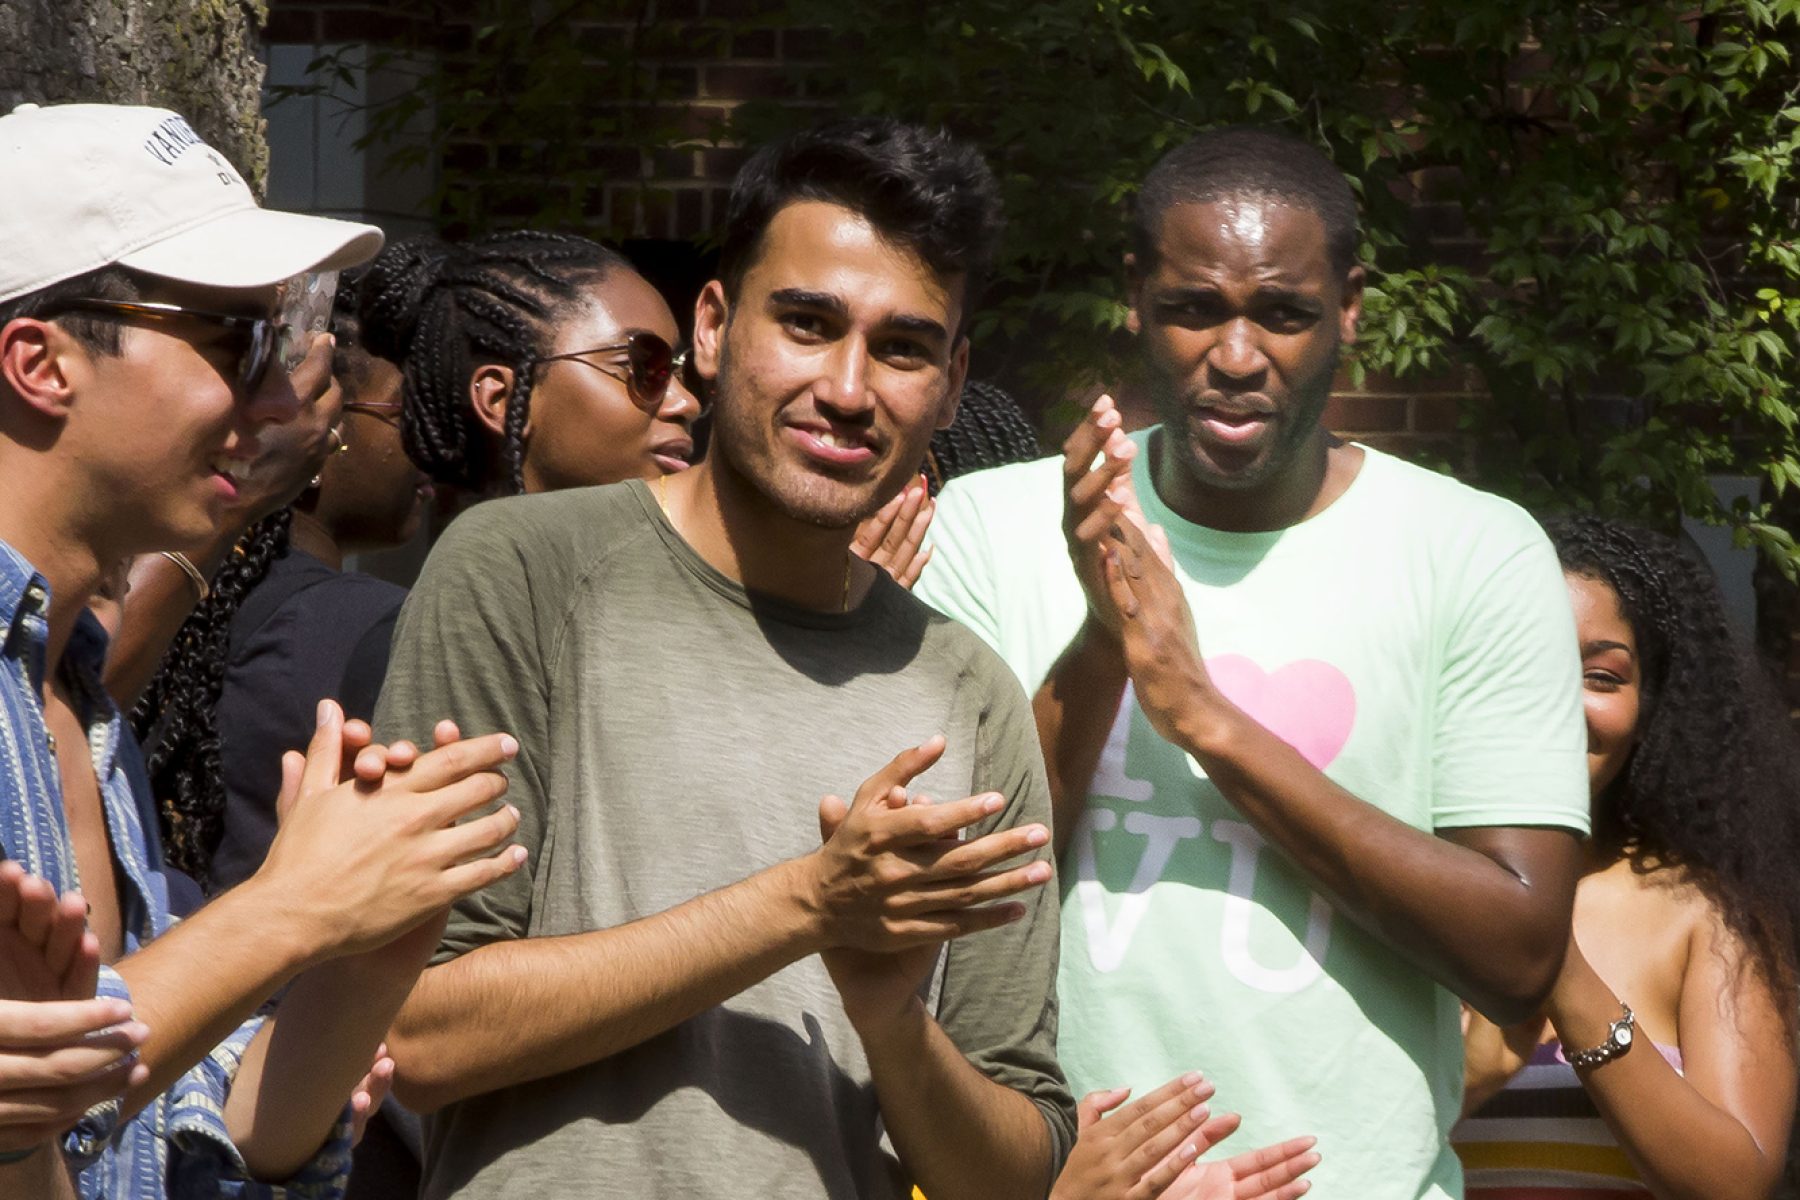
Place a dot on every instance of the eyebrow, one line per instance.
(1264, 293)
(1588, 648)
(835, 305)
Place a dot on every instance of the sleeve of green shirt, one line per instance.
(470, 645)
(958, 581)
(998, 999)
(1510, 746)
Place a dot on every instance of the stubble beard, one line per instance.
(1295, 425)
(735, 435)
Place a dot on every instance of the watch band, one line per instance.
(1619, 1038)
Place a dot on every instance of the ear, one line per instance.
(1134, 284)
(712, 312)
(37, 362)
(959, 372)
(490, 388)
(1350, 307)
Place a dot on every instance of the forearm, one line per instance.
(1684, 1145)
(161, 597)
(1488, 933)
(958, 1133)
(298, 1073)
(515, 1011)
(1075, 709)
(202, 979)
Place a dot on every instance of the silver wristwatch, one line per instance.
(1618, 1040)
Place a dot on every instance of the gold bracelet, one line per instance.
(201, 588)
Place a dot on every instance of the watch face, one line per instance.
(1622, 1035)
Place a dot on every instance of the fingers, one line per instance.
(832, 811)
(480, 836)
(1118, 589)
(373, 764)
(917, 567)
(901, 770)
(973, 890)
(471, 877)
(1273, 1172)
(60, 1107)
(1168, 1137)
(26, 1024)
(445, 805)
(950, 924)
(324, 756)
(914, 824)
(70, 1065)
(1134, 546)
(907, 529)
(1096, 1104)
(83, 976)
(1168, 1100)
(874, 528)
(68, 923)
(293, 767)
(1083, 445)
(11, 875)
(36, 910)
(460, 760)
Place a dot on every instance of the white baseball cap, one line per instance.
(90, 185)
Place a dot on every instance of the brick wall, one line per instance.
(709, 56)
(718, 59)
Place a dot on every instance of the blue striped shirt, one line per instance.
(177, 1147)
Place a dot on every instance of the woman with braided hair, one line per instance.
(1665, 1063)
(532, 362)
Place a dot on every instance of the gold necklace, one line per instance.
(662, 502)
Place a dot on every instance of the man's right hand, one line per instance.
(357, 864)
(894, 880)
(62, 1051)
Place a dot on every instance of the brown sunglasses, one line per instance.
(650, 366)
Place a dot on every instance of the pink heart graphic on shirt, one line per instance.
(1309, 704)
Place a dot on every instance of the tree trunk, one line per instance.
(197, 57)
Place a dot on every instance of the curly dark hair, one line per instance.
(990, 430)
(175, 717)
(439, 311)
(1713, 783)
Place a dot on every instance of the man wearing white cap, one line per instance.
(140, 355)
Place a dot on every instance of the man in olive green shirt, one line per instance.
(708, 982)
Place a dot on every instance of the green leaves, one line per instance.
(1591, 209)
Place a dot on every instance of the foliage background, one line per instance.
(1590, 209)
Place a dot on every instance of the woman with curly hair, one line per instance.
(1665, 1062)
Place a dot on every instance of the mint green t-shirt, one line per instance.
(1414, 642)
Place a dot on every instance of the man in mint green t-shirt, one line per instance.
(1296, 825)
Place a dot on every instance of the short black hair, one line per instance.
(921, 188)
(96, 334)
(1243, 160)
